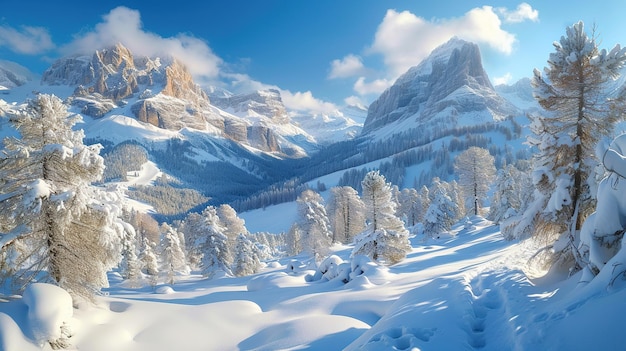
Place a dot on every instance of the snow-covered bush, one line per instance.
(333, 268)
(49, 310)
(602, 246)
(328, 269)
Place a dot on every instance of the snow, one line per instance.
(471, 290)
(145, 176)
(49, 307)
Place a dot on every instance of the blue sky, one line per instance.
(319, 53)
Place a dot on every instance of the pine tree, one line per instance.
(192, 228)
(233, 225)
(172, 254)
(424, 202)
(293, 240)
(313, 224)
(578, 112)
(385, 239)
(130, 267)
(69, 228)
(346, 213)
(476, 170)
(409, 206)
(508, 196)
(246, 260)
(213, 244)
(441, 213)
(148, 258)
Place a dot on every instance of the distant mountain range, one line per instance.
(235, 148)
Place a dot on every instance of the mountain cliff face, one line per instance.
(450, 85)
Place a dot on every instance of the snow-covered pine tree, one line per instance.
(246, 261)
(476, 170)
(233, 225)
(424, 198)
(293, 240)
(191, 227)
(510, 186)
(575, 95)
(172, 255)
(213, 244)
(441, 213)
(130, 267)
(69, 228)
(346, 213)
(315, 234)
(148, 258)
(409, 206)
(384, 239)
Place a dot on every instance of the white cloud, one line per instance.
(404, 39)
(349, 66)
(522, 13)
(305, 101)
(355, 101)
(123, 25)
(240, 83)
(26, 40)
(299, 101)
(374, 87)
(505, 79)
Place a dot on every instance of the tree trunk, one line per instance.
(577, 191)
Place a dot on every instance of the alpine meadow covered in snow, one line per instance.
(150, 202)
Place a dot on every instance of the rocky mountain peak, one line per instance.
(162, 92)
(114, 59)
(179, 84)
(449, 83)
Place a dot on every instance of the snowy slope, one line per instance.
(469, 291)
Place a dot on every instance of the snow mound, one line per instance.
(165, 290)
(11, 336)
(272, 280)
(49, 309)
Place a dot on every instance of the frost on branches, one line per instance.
(52, 218)
(385, 239)
(581, 107)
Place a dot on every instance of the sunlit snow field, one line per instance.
(470, 290)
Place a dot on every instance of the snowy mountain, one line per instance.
(161, 91)
(339, 125)
(13, 75)
(249, 143)
(449, 88)
(265, 109)
(434, 111)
